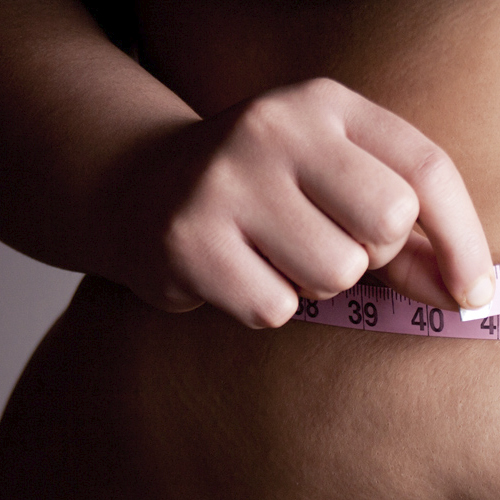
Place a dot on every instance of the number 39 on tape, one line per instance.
(381, 309)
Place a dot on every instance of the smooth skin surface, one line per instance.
(166, 203)
(124, 400)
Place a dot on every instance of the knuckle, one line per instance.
(347, 274)
(323, 91)
(320, 86)
(347, 278)
(380, 255)
(435, 168)
(221, 184)
(396, 219)
(262, 117)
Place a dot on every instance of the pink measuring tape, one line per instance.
(381, 309)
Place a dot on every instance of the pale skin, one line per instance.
(196, 405)
(271, 194)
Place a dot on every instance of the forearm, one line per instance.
(96, 179)
(74, 107)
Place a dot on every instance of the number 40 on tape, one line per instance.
(381, 309)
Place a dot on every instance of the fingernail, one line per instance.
(481, 293)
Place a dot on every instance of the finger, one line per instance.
(414, 273)
(304, 244)
(236, 279)
(447, 214)
(371, 202)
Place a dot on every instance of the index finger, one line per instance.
(447, 214)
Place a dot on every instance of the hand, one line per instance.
(298, 191)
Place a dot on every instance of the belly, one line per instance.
(436, 64)
(124, 401)
(218, 53)
(198, 405)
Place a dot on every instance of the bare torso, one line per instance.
(124, 400)
(433, 63)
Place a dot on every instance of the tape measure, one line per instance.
(381, 309)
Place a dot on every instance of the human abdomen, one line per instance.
(196, 405)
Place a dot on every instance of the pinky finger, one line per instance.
(251, 290)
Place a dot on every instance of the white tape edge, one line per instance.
(472, 314)
(492, 309)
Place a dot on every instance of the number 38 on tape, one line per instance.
(381, 309)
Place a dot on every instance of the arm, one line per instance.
(105, 171)
(73, 106)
